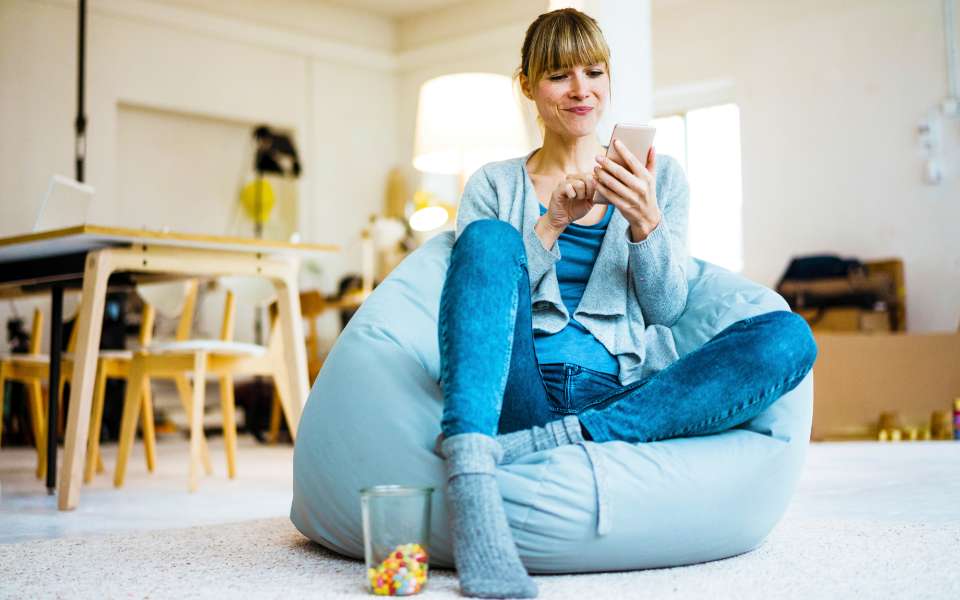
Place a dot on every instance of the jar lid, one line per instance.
(395, 490)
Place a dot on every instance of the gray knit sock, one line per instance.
(555, 433)
(484, 552)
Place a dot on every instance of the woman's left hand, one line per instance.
(632, 189)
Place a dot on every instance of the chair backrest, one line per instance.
(180, 299)
(229, 317)
(312, 305)
(252, 290)
(36, 331)
(177, 299)
(36, 334)
(66, 203)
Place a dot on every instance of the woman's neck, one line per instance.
(559, 156)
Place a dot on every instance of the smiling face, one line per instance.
(565, 69)
(571, 100)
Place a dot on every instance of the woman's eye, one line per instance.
(558, 77)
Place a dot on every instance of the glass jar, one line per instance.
(396, 536)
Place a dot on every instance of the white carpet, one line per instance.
(269, 559)
(868, 521)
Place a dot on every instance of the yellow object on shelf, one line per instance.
(940, 426)
(249, 200)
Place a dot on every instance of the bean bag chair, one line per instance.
(374, 413)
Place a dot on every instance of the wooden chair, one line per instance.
(21, 368)
(221, 358)
(33, 370)
(115, 364)
(312, 305)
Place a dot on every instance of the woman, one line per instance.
(555, 313)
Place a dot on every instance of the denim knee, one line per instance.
(490, 240)
(793, 343)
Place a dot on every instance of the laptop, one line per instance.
(66, 204)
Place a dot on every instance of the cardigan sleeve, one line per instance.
(658, 264)
(539, 259)
(478, 201)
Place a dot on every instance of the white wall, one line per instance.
(830, 95)
(324, 73)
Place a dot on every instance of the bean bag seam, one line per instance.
(543, 467)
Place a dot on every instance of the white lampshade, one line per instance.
(466, 120)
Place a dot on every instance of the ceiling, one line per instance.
(394, 9)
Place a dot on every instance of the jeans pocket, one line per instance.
(587, 388)
(554, 382)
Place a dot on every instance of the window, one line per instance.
(706, 142)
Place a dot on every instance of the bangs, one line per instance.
(563, 42)
(571, 46)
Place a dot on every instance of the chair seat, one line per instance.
(45, 358)
(26, 358)
(116, 354)
(209, 346)
(121, 354)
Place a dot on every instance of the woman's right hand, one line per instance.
(570, 201)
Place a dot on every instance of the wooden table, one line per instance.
(88, 255)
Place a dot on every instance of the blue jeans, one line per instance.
(493, 384)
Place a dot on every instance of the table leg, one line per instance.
(89, 322)
(56, 342)
(294, 351)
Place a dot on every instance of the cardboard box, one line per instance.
(857, 376)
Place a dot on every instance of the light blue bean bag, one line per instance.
(374, 413)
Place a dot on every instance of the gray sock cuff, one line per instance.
(566, 430)
(572, 426)
(471, 453)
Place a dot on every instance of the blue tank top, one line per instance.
(579, 247)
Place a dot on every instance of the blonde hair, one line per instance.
(561, 39)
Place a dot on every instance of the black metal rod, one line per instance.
(56, 340)
(80, 125)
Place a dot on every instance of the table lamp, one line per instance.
(465, 120)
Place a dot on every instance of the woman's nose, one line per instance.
(578, 87)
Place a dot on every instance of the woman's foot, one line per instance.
(484, 552)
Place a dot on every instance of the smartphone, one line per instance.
(637, 138)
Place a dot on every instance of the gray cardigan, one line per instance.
(636, 291)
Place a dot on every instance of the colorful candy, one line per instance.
(402, 573)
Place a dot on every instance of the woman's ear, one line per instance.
(525, 86)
